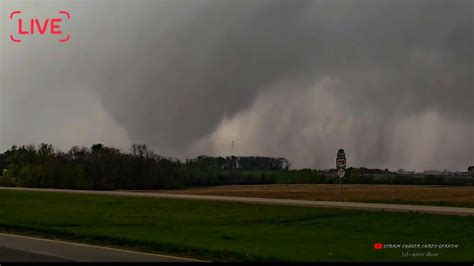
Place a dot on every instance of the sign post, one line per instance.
(341, 168)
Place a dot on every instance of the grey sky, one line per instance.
(390, 81)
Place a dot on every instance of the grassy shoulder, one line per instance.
(221, 231)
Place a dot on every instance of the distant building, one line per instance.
(437, 172)
(461, 174)
(470, 169)
(404, 172)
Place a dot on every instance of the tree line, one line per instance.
(105, 168)
(108, 168)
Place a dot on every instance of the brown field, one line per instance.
(431, 195)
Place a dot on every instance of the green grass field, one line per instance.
(233, 231)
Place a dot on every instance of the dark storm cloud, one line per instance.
(176, 73)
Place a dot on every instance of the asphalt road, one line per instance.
(13, 255)
(14, 248)
(287, 202)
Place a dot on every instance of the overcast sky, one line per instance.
(390, 81)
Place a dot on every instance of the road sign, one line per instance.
(341, 153)
(341, 166)
(341, 173)
(341, 163)
(341, 159)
